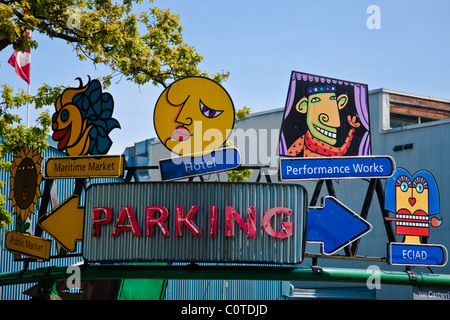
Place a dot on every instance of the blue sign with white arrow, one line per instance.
(334, 225)
(194, 165)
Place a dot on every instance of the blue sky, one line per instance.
(261, 42)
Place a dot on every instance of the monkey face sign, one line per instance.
(325, 118)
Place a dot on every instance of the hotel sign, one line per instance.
(201, 222)
(193, 165)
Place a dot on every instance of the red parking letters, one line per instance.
(179, 220)
(150, 220)
(127, 212)
(249, 228)
(97, 221)
(103, 216)
(285, 226)
(212, 221)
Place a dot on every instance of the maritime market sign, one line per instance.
(84, 166)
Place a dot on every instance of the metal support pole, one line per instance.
(44, 204)
(365, 210)
(89, 272)
(389, 229)
(316, 193)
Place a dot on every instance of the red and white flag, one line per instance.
(21, 61)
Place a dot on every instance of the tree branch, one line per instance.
(54, 34)
(4, 43)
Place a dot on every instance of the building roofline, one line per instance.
(413, 95)
(375, 91)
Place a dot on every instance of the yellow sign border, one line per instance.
(46, 242)
(119, 172)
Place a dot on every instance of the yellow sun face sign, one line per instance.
(194, 115)
(25, 180)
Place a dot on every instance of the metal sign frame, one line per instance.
(206, 212)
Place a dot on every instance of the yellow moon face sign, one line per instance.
(193, 115)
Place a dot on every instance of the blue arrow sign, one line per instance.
(334, 225)
(194, 165)
(417, 254)
(292, 169)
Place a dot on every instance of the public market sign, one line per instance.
(202, 222)
(84, 166)
(27, 245)
(336, 168)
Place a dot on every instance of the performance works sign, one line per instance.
(336, 168)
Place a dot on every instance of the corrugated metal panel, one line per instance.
(227, 289)
(239, 248)
(252, 290)
(64, 188)
(224, 290)
(194, 290)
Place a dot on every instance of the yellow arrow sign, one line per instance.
(65, 223)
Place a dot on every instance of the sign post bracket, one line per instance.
(48, 183)
(387, 224)
(375, 186)
(412, 275)
(263, 171)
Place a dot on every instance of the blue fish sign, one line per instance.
(83, 120)
(194, 165)
(334, 225)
